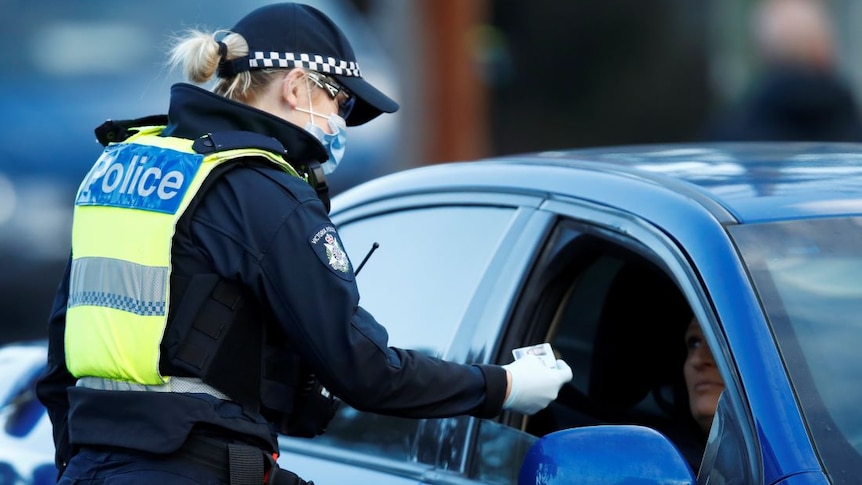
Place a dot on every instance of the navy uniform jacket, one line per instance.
(255, 225)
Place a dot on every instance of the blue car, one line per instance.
(608, 254)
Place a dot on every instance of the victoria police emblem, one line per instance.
(328, 247)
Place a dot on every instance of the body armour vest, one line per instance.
(125, 215)
(118, 326)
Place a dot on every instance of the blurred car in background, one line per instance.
(69, 66)
(25, 441)
(606, 253)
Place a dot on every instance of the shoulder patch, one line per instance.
(328, 247)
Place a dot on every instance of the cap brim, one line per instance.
(370, 102)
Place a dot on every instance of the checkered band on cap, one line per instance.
(313, 62)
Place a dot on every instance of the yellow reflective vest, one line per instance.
(125, 216)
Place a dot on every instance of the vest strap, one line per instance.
(245, 463)
(232, 140)
(317, 179)
(221, 141)
(237, 463)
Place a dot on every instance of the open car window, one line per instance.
(610, 308)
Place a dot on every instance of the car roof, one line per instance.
(736, 182)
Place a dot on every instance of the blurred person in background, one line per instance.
(208, 304)
(799, 95)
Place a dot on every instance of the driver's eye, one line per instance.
(692, 343)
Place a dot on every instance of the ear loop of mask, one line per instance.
(310, 111)
(308, 92)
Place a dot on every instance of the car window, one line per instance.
(610, 309)
(418, 284)
(419, 266)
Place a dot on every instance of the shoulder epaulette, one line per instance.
(114, 131)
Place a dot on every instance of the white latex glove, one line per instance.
(534, 385)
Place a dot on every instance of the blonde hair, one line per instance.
(197, 52)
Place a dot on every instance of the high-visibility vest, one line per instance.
(125, 216)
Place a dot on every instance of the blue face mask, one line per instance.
(334, 142)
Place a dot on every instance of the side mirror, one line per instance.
(604, 455)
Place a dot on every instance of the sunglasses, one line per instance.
(345, 106)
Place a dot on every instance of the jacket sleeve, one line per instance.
(51, 386)
(276, 237)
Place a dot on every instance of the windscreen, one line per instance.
(809, 276)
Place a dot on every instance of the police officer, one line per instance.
(208, 304)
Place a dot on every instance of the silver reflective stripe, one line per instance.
(114, 283)
(175, 384)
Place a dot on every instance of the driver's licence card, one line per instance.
(544, 351)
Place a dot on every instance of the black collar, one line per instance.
(194, 112)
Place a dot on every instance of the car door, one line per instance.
(442, 278)
(614, 294)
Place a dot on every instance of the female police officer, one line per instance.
(208, 304)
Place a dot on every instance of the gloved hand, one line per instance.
(534, 385)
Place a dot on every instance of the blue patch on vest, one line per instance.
(139, 177)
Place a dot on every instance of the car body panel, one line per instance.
(324, 466)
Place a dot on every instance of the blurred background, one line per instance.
(474, 78)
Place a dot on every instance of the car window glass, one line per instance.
(725, 460)
(806, 274)
(419, 281)
(418, 284)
